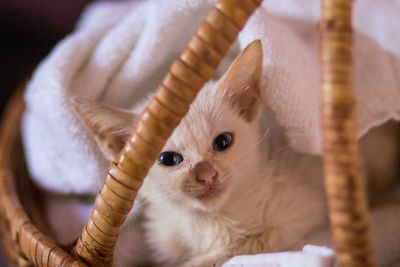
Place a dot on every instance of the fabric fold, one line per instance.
(120, 51)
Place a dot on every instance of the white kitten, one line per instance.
(220, 187)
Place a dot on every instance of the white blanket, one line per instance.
(310, 256)
(120, 52)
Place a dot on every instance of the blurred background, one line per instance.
(29, 29)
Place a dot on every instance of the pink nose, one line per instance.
(205, 173)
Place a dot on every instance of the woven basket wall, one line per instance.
(25, 235)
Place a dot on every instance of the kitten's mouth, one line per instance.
(210, 193)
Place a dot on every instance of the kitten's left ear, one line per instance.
(241, 81)
(110, 126)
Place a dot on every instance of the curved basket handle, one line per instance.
(185, 78)
(343, 180)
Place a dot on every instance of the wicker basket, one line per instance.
(24, 233)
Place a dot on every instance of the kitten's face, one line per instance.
(214, 148)
(210, 152)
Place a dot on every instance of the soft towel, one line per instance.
(120, 51)
(311, 256)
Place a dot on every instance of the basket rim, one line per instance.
(24, 242)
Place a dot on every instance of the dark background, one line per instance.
(29, 29)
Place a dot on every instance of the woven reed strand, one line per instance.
(24, 242)
(343, 180)
(179, 88)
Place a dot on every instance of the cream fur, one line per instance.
(258, 210)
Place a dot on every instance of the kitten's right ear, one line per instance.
(110, 126)
(241, 81)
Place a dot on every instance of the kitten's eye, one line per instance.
(222, 141)
(169, 158)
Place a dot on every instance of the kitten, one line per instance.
(220, 187)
